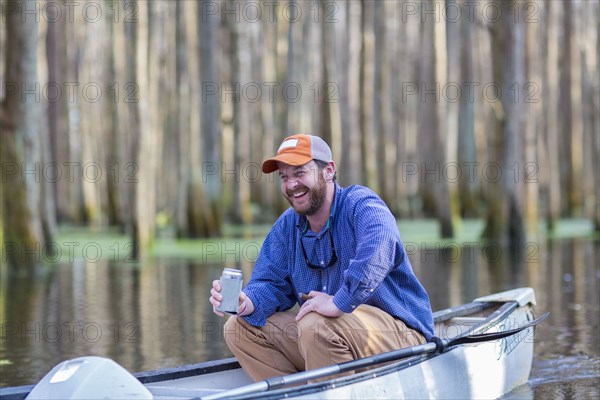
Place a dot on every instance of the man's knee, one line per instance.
(232, 331)
(315, 330)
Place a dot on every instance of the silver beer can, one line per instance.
(231, 286)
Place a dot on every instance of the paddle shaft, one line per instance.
(301, 377)
(350, 365)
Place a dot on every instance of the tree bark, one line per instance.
(428, 117)
(533, 108)
(368, 123)
(551, 122)
(434, 124)
(384, 166)
(131, 111)
(504, 221)
(23, 238)
(58, 123)
(409, 117)
(399, 65)
(289, 120)
(149, 59)
(448, 44)
(240, 76)
(350, 172)
(93, 104)
(167, 182)
(467, 152)
(324, 100)
(206, 213)
(445, 136)
(122, 163)
(47, 197)
(268, 113)
(186, 18)
(570, 89)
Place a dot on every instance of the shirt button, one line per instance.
(353, 306)
(322, 262)
(324, 288)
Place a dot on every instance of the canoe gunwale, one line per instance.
(15, 392)
(186, 371)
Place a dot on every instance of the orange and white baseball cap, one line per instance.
(298, 150)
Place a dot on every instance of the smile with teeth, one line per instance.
(299, 194)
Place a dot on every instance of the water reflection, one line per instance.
(144, 318)
(158, 315)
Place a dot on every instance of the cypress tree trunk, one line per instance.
(350, 91)
(149, 60)
(205, 203)
(466, 152)
(23, 238)
(570, 107)
(433, 118)
(368, 122)
(533, 108)
(505, 205)
(551, 112)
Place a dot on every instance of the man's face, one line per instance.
(303, 186)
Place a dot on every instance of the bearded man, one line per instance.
(337, 253)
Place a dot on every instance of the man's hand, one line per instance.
(245, 307)
(216, 297)
(321, 303)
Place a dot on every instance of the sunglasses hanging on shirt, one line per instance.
(332, 261)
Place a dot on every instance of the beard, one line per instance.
(316, 197)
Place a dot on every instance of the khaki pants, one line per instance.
(284, 346)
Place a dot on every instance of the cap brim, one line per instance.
(270, 165)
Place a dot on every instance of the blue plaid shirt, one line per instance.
(371, 268)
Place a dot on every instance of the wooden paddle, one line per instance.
(430, 347)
